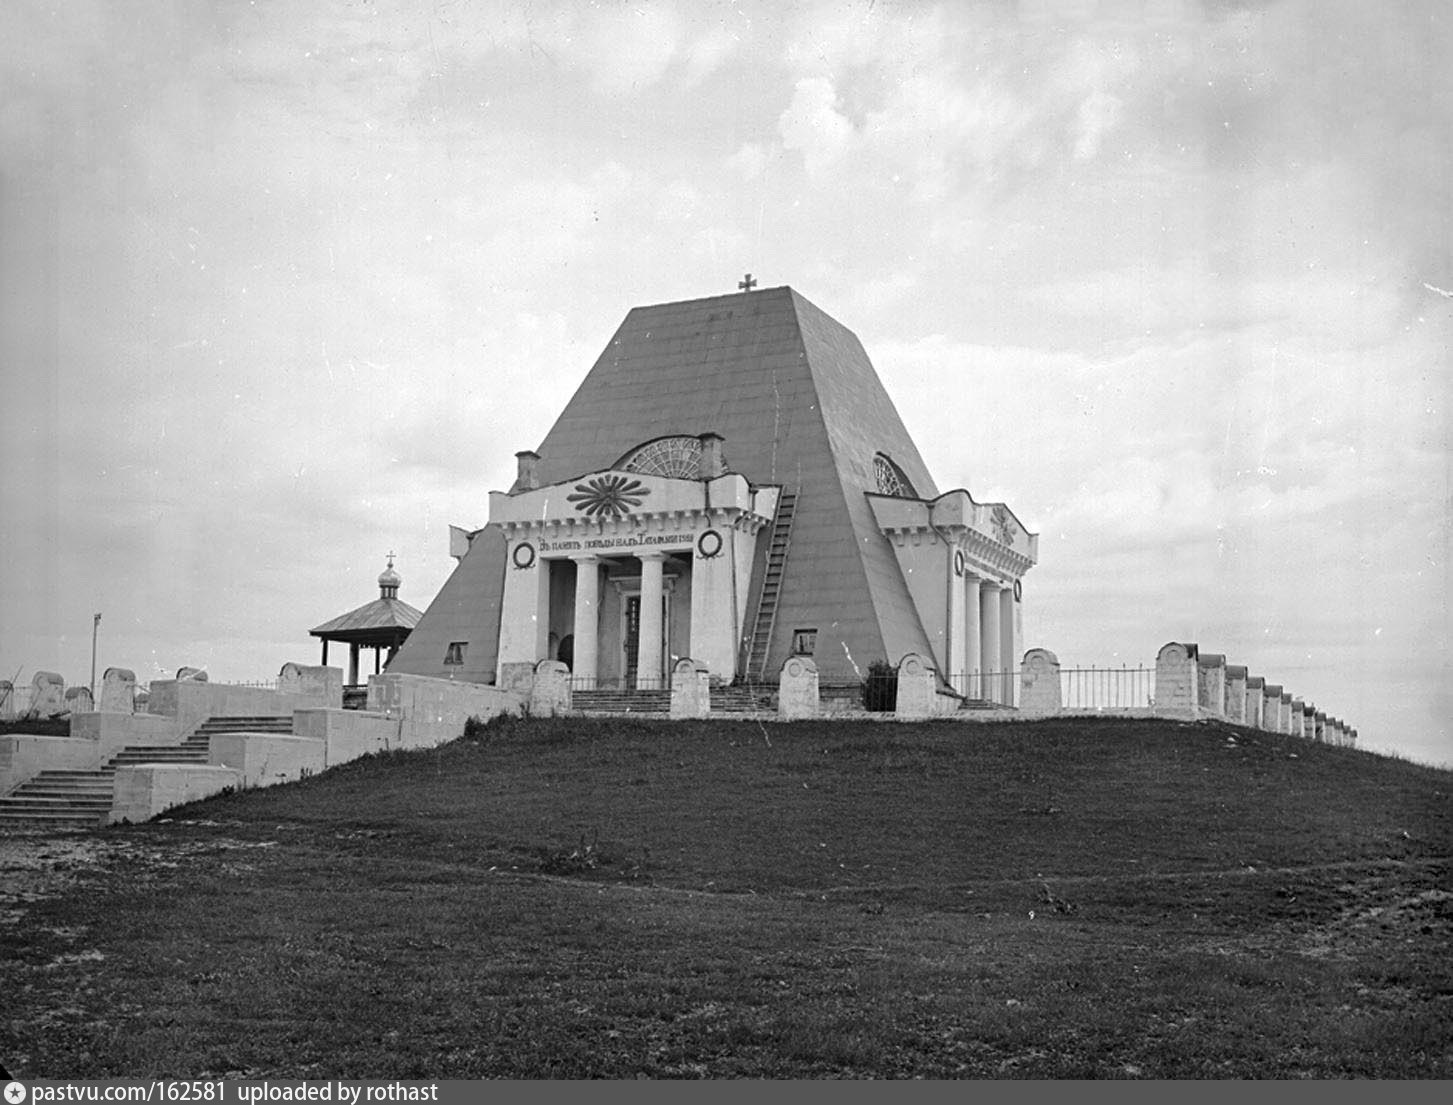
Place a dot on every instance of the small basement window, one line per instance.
(804, 642)
(455, 653)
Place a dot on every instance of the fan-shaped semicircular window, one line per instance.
(891, 480)
(674, 457)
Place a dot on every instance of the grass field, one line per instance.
(607, 898)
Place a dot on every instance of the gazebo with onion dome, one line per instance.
(382, 624)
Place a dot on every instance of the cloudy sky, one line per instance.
(284, 286)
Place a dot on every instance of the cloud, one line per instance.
(813, 125)
(750, 160)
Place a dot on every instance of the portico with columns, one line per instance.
(620, 573)
(964, 563)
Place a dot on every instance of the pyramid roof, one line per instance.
(798, 403)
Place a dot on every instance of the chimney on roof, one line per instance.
(528, 477)
(713, 463)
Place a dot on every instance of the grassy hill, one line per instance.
(611, 898)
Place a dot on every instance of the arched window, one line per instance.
(891, 480)
(674, 457)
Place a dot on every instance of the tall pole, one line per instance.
(95, 628)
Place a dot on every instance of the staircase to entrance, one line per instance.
(79, 799)
(766, 619)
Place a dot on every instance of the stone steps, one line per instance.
(74, 798)
(621, 702)
(743, 700)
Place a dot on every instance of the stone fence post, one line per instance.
(917, 686)
(47, 694)
(690, 689)
(1234, 707)
(1039, 683)
(1211, 696)
(118, 691)
(550, 689)
(1255, 700)
(1176, 679)
(797, 690)
(79, 701)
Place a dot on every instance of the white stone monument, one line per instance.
(690, 689)
(1039, 688)
(797, 691)
(917, 688)
(118, 691)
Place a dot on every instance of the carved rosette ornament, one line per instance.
(608, 496)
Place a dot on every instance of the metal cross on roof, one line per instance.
(747, 283)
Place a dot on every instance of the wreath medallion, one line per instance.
(708, 544)
(524, 555)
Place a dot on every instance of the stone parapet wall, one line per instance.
(145, 790)
(348, 734)
(435, 710)
(192, 701)
(267, 759)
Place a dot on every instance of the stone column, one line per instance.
(353, 665)
(648, 649)
(587, 621)
(989, 640)
(714, 623)
(954, 652)
(1008, 642)
(973, 643)
(524, 621)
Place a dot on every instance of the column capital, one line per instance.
(651, 554)
(585, 557)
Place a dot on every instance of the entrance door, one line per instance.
(632, 639)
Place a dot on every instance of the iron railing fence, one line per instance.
(618, 684)
(880, 691)
(993, 687)
(1119, 688)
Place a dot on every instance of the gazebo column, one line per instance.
(587, 621)
(353, 664)
(990, 648)
(648, 647)
(325, 652)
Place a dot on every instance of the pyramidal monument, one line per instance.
(730, 483)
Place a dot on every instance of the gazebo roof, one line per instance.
(384, 621)
(377, 620)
